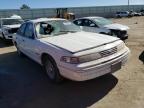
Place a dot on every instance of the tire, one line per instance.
(51, 70)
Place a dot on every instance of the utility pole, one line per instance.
(128, 5)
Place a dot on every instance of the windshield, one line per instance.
(55, 28)
(12, 21)
(102, 21)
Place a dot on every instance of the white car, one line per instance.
(66, 51)
(122, 14)
(9, 26)
(103, 26)
(137, 13)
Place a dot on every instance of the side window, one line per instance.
(89, 23)
(124, 12)
(44, 29)
(78, 22)
(29, 32)
(21, 29)
(118, 12)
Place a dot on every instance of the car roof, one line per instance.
(10, 18)
(44, 20)
(91, 17)
(122, 11)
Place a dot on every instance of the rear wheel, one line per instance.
(52, 70)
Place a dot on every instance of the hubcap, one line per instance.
(50, 70)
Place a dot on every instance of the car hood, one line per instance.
(116, 26)
(12, 26)
(80, 41)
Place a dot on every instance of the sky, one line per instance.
(16, 4)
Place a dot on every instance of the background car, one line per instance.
(137, 13)
(9, 26)
(142, 12)
(68, 52)
(122, 14)
(103, 26)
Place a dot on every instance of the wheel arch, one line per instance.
(46, 55)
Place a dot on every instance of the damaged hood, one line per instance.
(12, 26)
(116, 26)
(75, 42)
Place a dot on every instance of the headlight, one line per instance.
(72, 60)
(90, 57)
(5, 31)
(120, 46)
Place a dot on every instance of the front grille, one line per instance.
(13, 30)
(108, 52)
(95, 56)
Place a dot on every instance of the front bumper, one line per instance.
(124, 37)
(120, 34)
(93, 71)
(9, 36)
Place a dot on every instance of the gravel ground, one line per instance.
(24, 85)
(129, 92)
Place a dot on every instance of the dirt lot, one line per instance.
(24, 85)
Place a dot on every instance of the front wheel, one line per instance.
(52, 70)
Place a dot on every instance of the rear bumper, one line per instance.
(93, 71)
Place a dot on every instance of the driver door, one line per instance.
(30, 42)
